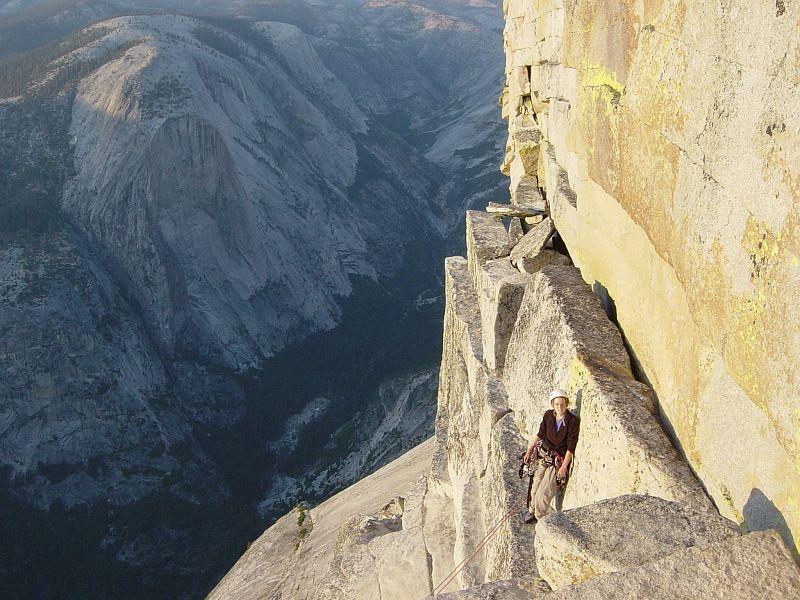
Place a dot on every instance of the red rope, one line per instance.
(460, 567)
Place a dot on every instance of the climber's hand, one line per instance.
(562, 473)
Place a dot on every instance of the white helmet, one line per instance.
(558, 393)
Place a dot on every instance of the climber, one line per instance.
(552, 449)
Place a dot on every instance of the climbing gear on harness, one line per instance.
(529, 469)
(545, 454)
(542, 450)
(526, 468)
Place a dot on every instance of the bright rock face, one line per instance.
(666, 140)
(751, 566)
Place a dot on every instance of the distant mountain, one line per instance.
(206, 223)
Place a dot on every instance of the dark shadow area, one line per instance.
(576, 408)
(760, 514)
(607, 302)
(610, 307)
(560, 246)
(168, 546)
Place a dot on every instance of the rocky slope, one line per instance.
(203, 222)
(398, 420)
(305, 539)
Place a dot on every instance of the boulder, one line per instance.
(440, 533)
(757, 565)
(500, 292)
(515, 230)
(458, 459)
(486, 239)
(462, 354)
(509, 552)
(533, 241)
(563, 338)
(528, 153)
(533, 220)
(527, 192)
(559, 318)
(622, 447)
(477, 444)
(560, 194)
(619, 534)
(529, 135)
(545, 258)
(516, 210)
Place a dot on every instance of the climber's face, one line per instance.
(560, 406)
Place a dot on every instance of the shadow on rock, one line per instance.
(760, 514)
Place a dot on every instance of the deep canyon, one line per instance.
(221, 231)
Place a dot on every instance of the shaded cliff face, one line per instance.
(195, 182)
(230, 186)
(669, 153)
(205, 225)
(229, 272)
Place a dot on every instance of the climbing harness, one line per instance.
(546, 455)
(460, 567)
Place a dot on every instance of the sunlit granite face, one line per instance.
(669, 157)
